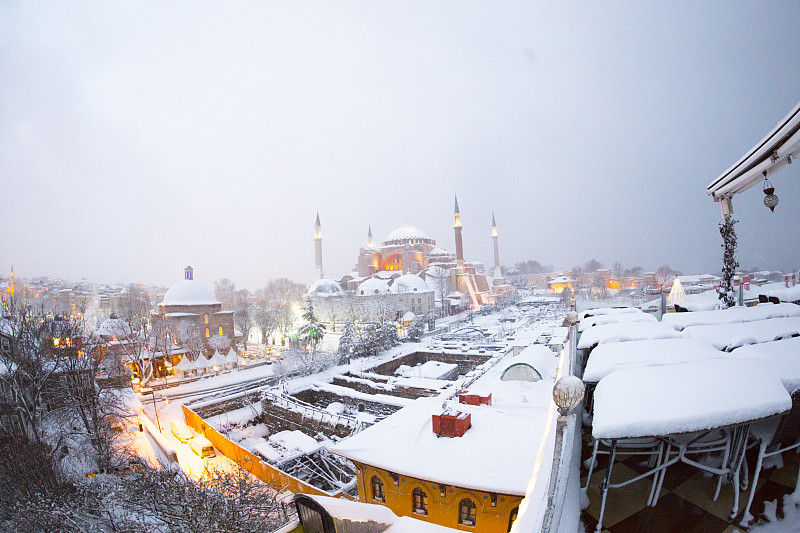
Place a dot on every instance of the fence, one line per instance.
(267, 473)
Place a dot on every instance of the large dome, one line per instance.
(409, 283)
(189, 292)
(408, 234)
(373, 286)
(324, 287)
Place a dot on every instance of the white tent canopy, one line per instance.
(771, 154)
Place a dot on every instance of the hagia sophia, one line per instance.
(409, 273)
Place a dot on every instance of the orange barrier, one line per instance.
(265, 472)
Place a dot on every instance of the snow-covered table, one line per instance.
(730, 336)
(680, 321)
(628, 331)
(669, 402)
(616, 356)
(783, 356)
(620, 318)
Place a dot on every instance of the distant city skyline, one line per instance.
(136, 140)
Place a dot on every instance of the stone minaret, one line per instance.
(318, 249)
(370, 244)
(497, 273)
(459, 245)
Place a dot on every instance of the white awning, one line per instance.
(772, 153)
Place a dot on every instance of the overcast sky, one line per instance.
(139, 137)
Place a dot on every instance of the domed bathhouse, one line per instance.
(190, 303)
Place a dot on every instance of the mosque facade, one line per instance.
(409, 274)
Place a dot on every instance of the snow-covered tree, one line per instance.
(190, 338)
(415, 329)
(348, 340)
(219, 342)
(312, 332)
(727, 295)
(387, 335)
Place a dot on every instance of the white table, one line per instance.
(628, 331)
(681, 321)
(616, 356)
(731, 336)
(783, 356)
(669, 402)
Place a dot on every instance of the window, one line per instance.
(466, 512)
(220, 330)
(419, 497)
(208, 333)
(377, 489)
(514, 513)
(206, 318)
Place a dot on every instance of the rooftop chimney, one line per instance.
(451, 423)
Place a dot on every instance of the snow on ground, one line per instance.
(790, 523)
(681, 321)
(237, 417)
(429, 369)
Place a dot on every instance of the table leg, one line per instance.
(604, 486)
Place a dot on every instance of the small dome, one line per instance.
(189, 292)
(372, 286)
(409, 283)
(324, 287)
(408, 234)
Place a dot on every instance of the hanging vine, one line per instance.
(729, 262)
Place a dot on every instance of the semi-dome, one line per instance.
(409, 283)
(408, 235)
(372, 286)
(189, 292)
(324, 287)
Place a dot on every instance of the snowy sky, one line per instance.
(139, 137)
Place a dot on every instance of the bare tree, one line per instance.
(664, 275)
(266, 320)
(190, 338)
(593, 265)
(225, 292)
(219, 342)
(618, 273)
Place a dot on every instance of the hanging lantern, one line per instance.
(770, 200)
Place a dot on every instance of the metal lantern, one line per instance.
(567, 393)
(770, 199)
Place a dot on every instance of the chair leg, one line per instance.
(604, 486)
(591, 466)
(651, 501)
(762, 447)
(663, 475)
(724, 462)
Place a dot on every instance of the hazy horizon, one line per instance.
(138, 139)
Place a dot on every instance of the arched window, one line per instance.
(419, 501)
(514, 513)
(466, 512)
(206, 318)
(377, 489)
(220, 330)
(208, 333)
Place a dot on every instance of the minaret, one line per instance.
(370, 244)
(497, 273)
(459, 245)
(318, 248)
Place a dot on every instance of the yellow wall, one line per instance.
(441, 511)
(559, 287)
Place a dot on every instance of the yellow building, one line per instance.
(561, 283)
(460, 465)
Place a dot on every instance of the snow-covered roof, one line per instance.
(626, 331)
(189, 292)
(561, 279)
(373, 286)
(113, 327)
(408, 316)
(231, 357)
(790, 294)
(352, 511)
(407, 234)
(324, 287)
(680, 321)
(438, 251)
(409, 283)
(406, 444)
(652, 401)
(180, 315)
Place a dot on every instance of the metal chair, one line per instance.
(773, 439)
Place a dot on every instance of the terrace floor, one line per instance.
(685, 503)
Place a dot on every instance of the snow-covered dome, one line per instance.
(372, 286)
(408, 234)
(324, 287)
(113, 327)
(409, 283)
(189, 292)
